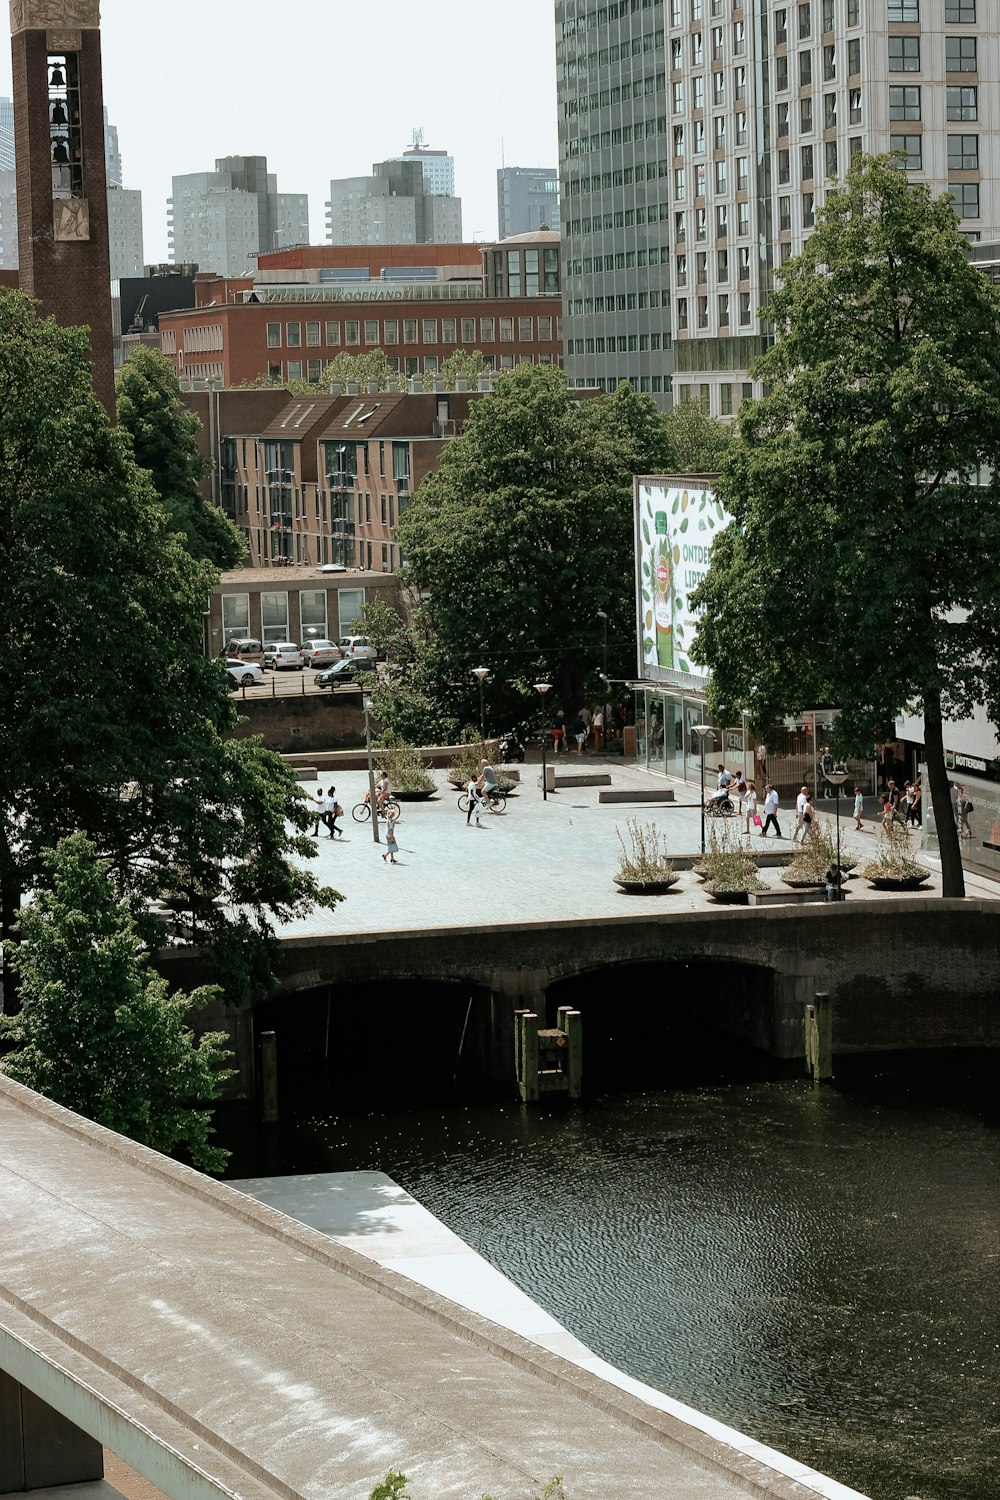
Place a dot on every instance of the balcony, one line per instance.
(444, 427)
(338, 480)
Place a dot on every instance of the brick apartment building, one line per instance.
(419, 304)
(317, 480)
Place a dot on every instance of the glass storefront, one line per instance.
(791, 754)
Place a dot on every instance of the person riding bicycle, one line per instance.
(381, 791)
(487, 783)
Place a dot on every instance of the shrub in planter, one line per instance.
(405, 767)
(643, 864)
(893, 867)
(816, 855)
(728, 867)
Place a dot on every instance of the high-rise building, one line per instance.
(438, 166)
(527, 199)
(223, 220)
(392, 207)
(764, 118)
(125, 243)
(614, 173)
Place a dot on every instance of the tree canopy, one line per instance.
(98, 1031)
(698, 443)
(164, 441)
(860, 569)
(113, 719)
(522, 536)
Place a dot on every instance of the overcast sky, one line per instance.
(323, 88)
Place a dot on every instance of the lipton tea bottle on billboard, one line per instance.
(663, 592)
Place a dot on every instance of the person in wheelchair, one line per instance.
(719, 802)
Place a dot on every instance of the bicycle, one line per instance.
(496, 803)
(362, 812)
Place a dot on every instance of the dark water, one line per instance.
(816, 1266)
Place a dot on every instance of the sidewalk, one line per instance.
(540, 860)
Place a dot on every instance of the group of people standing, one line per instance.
(328, 810)
(901, 806)
(589, 727)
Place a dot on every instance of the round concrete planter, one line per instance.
(731, 898)
(890, 883)
(646, 887)
(414, 796)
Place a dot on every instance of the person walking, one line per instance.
(475, 803)
(391, 847)
(808, 819)
(800, 812)
(559, 731)
(597, 725)
(333, 812)
(320, 811)
(751, 807)
(771, 800)
(859, 807)
(579, 734)
(915, 817)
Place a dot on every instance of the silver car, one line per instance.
(283, 654)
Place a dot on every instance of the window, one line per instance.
(784, 166)
(679, 182)
(675, 53)
(741, 127)
(806, 163)
(781, 125)
(739, 38)
(904, 10)
(274, 335)
(678, 140)
(274, 617)
(743, 262)
(722, 266)
(371, 330)
(912, 148)
(682, 312)
(429, 331)
(350, 603)
(720, 177)
(805, 68)
(721, 221)
(677, 94)
(719, 88)
(805, 115)
(780, 27)
(963, 153)
(390, 331)
(544, 330)
(312, 615)
(854, 102)
(701, 267)
(486, 330)
(699, 137)
(829, 111)
(742, 171)
(295, 369)
(744, 309)
(828, 17)
(332, 334)
(719, 127)
(702, 312)
(829, 64)
(830, 150)
(724, 310)
(963, 104)
(448, 331)
(409, 330)
(808, 210)
(957, 12)
(781, 74)
(854, 12)
(468, 330)
(854, 147)
(960, 54)
(854, 57)
(805, 21)
(904, 103)
(743, 218)
(904, 53)
(740, 86)
(699, 91)
(966, 196)
(524, 330)
(352, 332)
(235, 617)
(697, 51)
(312, 335)
(293, 335)
(314, 369)
(680, 227)
(784, 212)
(700, 224)
(506, 330)
(681, 274)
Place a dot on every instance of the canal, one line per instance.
(815, 1266)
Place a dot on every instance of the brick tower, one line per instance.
(62, 200)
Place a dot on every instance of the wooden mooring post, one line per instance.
(548, 1061)
(819, 1037)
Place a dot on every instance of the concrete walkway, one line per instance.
(540, 860)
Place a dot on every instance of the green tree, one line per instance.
(523, 534)
(98, 1031)
(698, 443)
(463, 364)
(861, 566)
(113, 720)
(164, 437)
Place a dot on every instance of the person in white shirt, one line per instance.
(475, 803)
(801, 803)
(771, 813)
(750, 806)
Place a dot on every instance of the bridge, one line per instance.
(221, 1349)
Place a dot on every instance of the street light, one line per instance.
(837, 779)
(702, 731)
(371, 769)
(541, 688)
(482, 673)
(602, 615)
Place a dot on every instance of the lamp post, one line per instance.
(702, 731)
(371, 769)
(541, 688)
(481, 673)
(602, 615)
(837, 779)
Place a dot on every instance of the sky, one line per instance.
(323, 88)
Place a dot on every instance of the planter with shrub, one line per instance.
(643, 866)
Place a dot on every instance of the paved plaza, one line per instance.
(540, 860)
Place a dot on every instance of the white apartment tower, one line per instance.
(222, 220)
(767, 107)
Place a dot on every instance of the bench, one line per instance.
(789, 896)
(305, 773)
(583, 778)
(664, 795)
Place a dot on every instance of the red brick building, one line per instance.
(417, 303)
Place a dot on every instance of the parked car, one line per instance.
(357, 646)
(280, 654)
(321, 651)
(246, 673)
(246, 649)
(348, 669)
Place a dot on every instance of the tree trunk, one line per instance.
(949, 846)
(10, 909)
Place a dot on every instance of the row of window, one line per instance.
(414, 331)
(626, 218)
(650, 384)
(697, 46)
(277, 621)
(722, 264)
(600, 15)
(641, 88)
(962, 102)
(718, 89)
(724, 311)
(698, 137)
(956, 12)
(631, 343)
(720, 176)
(806, 66)
(807, 113)
(623, 177)
(804, 14)
(959, 54)
(623, 302)
(963, 152)
(584, 60)
(624, 260)
(312, 369)
(719, 221)
(621, 136)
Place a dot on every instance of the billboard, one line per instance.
(677, 518)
